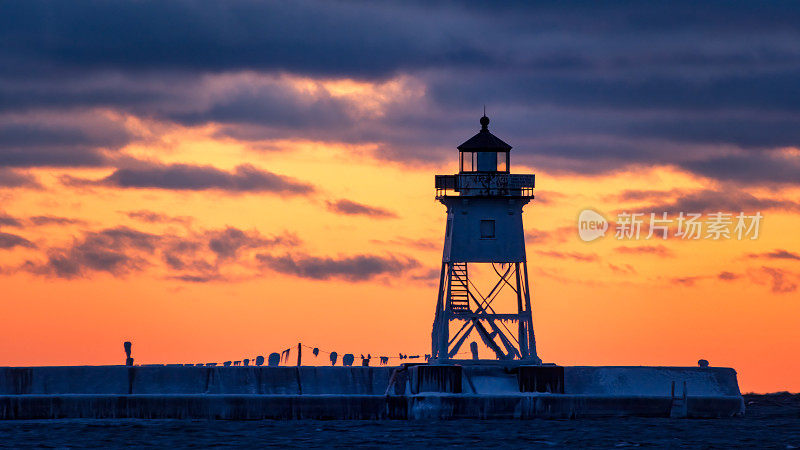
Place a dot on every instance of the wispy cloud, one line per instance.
(421, 243)
(781, 281)
(113, 250)
(187, 177)
(349, 207)
(10, 178)
(9, 221)
(349, 268)
(121, 251)
(776, 254)
(55, 220)
(577, 256)
(155, 217)
(9, 241)
(658, 250)
(38, 221)
(688, 281)
(560, 234)
(623, 269)
(728, 276)
(227, 243)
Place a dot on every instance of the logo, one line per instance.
(591, 225)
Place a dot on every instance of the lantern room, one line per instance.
(484, 152)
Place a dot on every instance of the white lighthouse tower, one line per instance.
(484, 226)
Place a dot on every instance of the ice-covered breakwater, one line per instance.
(407, 392)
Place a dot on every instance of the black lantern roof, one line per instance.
(484, 141)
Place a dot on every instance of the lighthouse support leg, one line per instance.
(532, 354)
(439, 335)
(523, 329)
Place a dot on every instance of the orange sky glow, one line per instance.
(607, 302)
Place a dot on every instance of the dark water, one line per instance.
(776, 433)
(770, 422)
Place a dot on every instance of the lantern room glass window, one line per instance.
(502, 161)
(484, 162)
(467, 162)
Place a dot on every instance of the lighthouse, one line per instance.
(484, 231)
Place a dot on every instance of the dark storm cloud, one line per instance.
(79, 89)
(65, 156)
(350, 268)
(351, 208)
(71, 140)
(730, 201)
(576, 87)
(753, 168)
(377, 39)
(271, 103)
(626, 88)
(9, 241)
(603, 140)
(244, 178)
(219, 36)
(26, 135)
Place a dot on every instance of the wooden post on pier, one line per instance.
(299, 353)
(128, 359)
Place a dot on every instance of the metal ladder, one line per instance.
(459, 288)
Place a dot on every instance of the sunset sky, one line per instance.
(219, 180)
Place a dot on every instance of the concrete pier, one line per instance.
(407, 392)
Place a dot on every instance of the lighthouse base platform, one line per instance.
(425, 391)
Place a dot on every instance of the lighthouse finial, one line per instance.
(484, 120)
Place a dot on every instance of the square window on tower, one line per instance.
(487, 229)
